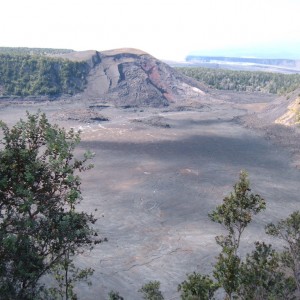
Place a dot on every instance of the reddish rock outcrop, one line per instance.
(133, 77)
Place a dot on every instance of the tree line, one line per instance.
(275, 83)
(33, 51)
(35, 75)
(42, 230)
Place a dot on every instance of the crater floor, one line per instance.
(153, 185)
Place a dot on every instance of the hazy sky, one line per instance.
(164, 28)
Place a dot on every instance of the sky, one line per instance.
(167, 29)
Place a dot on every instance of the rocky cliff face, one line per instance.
(290, 113)
(132, 77)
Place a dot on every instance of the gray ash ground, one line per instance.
(153, 187)
(156, 121)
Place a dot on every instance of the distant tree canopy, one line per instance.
(35, 75)
(32, 51)
(265, 82)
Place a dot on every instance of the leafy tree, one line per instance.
(289, 231)
(261, 277)
(237, 211)
(197, 287)
(227, 272)
(40, 227)
(151, 291)
(114, 296)
(66, 274)
(234, 215)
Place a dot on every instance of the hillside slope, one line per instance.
(122, 76)
(291, 116)
(133, 77)
(35, 75)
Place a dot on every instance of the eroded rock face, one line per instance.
(291, 116)
(133, 77)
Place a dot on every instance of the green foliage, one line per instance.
(234, 215)
(266, 82)
(66, 275)
(114, 296)
(197, 287)
(237, 212)
(33, 51)
(24, 75)
(40, 228)
(288, 230)
(151, 291)
(261, 277)
(227, 272)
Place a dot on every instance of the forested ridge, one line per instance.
(42, 71)
(275, 83)
(33, 51)
(23, 74)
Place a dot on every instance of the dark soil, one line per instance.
(153, 187)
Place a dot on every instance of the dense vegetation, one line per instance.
(265, 82)
(41, 228)
(32, 51)
(34, 75)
